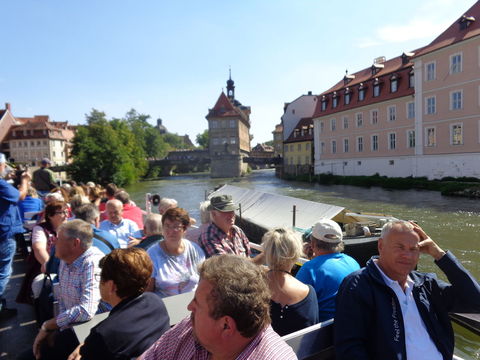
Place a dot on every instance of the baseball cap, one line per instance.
(223, 203)
(328, 231)
(46, 161)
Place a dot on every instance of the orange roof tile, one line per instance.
(303, 122)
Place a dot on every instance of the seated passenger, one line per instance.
(328, 267)
(229, 317)
(31, 203)
(137, 319)
(175, 259)
(194, 232)
(102, 239)
(130, 211)
(165, 204)
(153, 232)
(294, 305)
(116, 225)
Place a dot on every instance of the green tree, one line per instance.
(202, 139)
(104, 153)
(269, 143)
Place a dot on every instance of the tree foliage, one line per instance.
(117, 150)
(202, 139)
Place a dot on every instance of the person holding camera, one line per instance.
(10, 224)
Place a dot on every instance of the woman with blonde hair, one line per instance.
(293, 305)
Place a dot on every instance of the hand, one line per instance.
(133, 241)
(37, 344)
(26, 176)
(426, 244)
(75, 355)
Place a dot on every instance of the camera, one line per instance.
(19, 171)
(154, 199)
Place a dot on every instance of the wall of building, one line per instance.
(227, 166)
(302, 107)
(298, 153)
(430, 166)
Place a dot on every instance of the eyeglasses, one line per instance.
(63, 212)
(173, 228)
(98, 277)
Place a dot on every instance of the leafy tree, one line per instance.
(269, 143)
(202, 139)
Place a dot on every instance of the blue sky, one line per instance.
(170, 59)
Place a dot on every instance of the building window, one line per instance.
(214, 124)
(411, 138)
(455, 63)
(19, 144)
(430, 105)
(359, 117)
(285, 148)
(345, 145)
(333, 124)
(392, 113)
(374, 142)
(216, 141)
(393, 84)
(347, 97)
(456, 100)
(322, 127)
(410, 110)
(456, 131)
(361, 94)
(233, 140)
(334, 101)
(411, 79)
(431, 138)
(345, 122)
(233, 123)
(392, 141)
(334, 146)
(374, 116)
(299, 147)
(324, 104)
(376, 90)
(322, 147)
(430, 71)
(360, 144)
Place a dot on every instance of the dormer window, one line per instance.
(393, 83)
(376, 67)
(334, 100)
(347, 78)
(361, 92)
(347, 97)
(376, 88)
(466, 21)
(324, 103)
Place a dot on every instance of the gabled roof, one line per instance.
(224, 108)
(366, 77)
(304, 123)
(35, 119)
(454, 34)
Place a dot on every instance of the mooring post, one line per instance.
(294, 213)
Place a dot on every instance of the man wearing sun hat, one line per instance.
(222, 236)
(329, 266)
(10, 224)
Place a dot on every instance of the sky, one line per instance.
(171, 59)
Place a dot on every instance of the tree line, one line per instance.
(117, 149)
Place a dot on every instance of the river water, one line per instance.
(454, 223)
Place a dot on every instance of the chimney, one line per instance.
(8, 107)
(309, 93)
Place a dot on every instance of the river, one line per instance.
(454, 223)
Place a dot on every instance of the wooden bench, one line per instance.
(314, 342)
(176, 307)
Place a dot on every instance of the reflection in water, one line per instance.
(454, 223)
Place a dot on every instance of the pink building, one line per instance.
(413, 115)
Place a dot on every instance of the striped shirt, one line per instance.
(214, 241)
(179, 343)
(78, 292)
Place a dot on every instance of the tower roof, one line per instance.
(224, 108)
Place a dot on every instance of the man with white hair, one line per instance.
(329, 266)
(116, 225)
(10, 225)
(387, 310)
(165, 204)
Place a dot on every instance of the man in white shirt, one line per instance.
(116, 225)
(389, 311)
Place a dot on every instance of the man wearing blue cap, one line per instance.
(43, 179)
(10, 224)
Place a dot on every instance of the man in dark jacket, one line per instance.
(137, 319)
(43, 179)
(389, 311)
